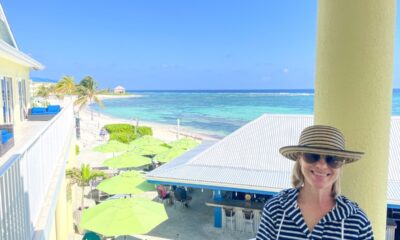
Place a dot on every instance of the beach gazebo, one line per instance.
(119, 90)
(248, 161)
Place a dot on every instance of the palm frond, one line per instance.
(81, 101)
(66, 85)
(87, 91)
(98, 101)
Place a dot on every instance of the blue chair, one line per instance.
(42, 113)
(7, 138)
(53, 109)
(180, 196)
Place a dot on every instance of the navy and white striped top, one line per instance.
(282, 219)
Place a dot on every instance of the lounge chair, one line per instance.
(6, 138)
(42, 113)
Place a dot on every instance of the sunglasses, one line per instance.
(331, 161)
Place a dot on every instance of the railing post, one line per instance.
(217, 210)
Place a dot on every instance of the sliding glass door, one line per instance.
(22, 99)
(7, 97)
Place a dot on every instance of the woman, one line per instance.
(314, 208)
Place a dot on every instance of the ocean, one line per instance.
(216, 112)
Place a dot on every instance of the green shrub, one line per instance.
(77, 150)
(143, 130)
(125, 133)
(124, 137)
(121, 132)
(119, 127)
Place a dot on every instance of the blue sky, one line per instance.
(147, 44)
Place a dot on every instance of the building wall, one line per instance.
(119, 91)
(16, 72)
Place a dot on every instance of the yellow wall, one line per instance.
(16, 72)
(66, 200)
(71, 202)
(52, 233)
(353, 92)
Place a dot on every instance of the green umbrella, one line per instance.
(130, 182)
(169, 155)
(124, 216)
(112, 146)
(185, 143)
(148, 145)
(146, 141)
(127, 160)
(150, 149)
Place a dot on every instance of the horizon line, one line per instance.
(263, 89)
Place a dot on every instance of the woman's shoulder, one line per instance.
(282, 198)
(352, 210)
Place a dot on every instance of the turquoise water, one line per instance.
(214, 112)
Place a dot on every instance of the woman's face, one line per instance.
(319, 175)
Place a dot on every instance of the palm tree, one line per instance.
(87, 93)
(83, 176)
(43, 91)
(65, 86)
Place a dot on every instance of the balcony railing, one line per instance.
(27, 178)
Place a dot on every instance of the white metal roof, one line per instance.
(249, 158)
(6, 33)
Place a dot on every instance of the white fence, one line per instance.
(26, 176)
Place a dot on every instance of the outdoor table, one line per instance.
(238, 206)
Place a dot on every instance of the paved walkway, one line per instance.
(195, 222)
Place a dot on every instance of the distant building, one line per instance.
(37, 82)
(119, 90)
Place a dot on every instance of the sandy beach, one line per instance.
(90, 128)
(110, 96)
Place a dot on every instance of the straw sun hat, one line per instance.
(320, 139)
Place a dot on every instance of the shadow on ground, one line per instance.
(193, 223)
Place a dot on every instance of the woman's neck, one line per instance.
(316, 197)
(314, 204)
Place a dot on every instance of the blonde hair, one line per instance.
(298, 179)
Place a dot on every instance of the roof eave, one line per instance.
(214, 185)
(19, 57)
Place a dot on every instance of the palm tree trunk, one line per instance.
(82, 198)
(91, 109)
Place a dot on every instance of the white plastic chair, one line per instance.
(248, 219)
(230, 218)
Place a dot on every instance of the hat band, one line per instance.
(322, 141)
